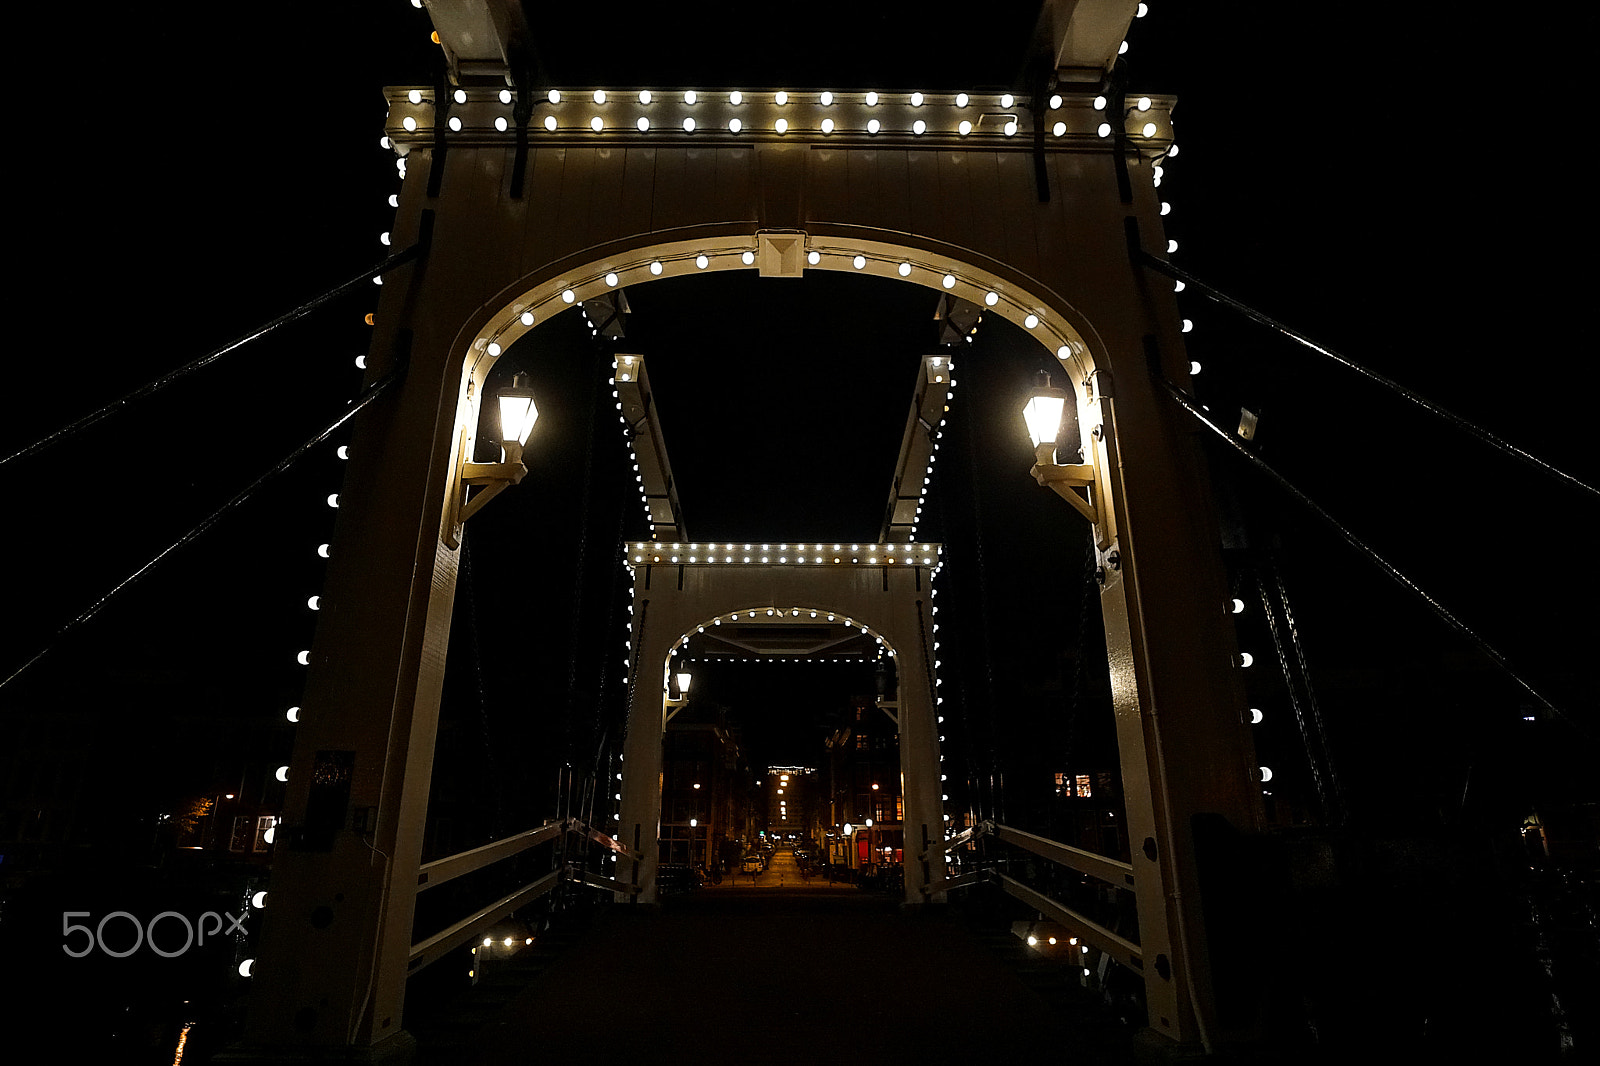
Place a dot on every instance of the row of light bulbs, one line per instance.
(1245, 661)
(924, 554)
(827, 126)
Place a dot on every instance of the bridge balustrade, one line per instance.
(558, 833)
(1108, 871)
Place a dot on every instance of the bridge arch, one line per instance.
(748, 616)
(675, 600)
(1064, 332)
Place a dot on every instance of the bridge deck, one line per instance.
(744, 970)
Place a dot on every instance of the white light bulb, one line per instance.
(599, 96)
(905, 270)
(455, 124)
(1104, 130)
(1266, 774)
(949, 281)
(872, 99)
(644, 96)
(965, 128)
(1031, 321)
(333, 499)
(827, 125)
(782, 125)
(813, 258)
(1055, 101)
(282, 773)
(916, 99)
(702, 261)
(781, 98)
(918, 127)
(859, 261)
(1011, 127)
(554, 96)
(734, 125)
(1006, 100)
(293, 714)
(1256, 716)
(736, 98)
(688, 125)
(409, 123)
(643, 124)
(690, 97)
(1059, 129)
(500, 124)
(748, 258)
(872, 125)
(527, 318)
(656, 267)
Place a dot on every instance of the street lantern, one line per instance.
(1043, 413)
(518, 413)
(676, 696)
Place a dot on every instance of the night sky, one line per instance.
(1408, 190)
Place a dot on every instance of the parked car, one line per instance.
(751, 864)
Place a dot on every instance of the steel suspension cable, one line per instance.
(371, 393)
(1488, 650)
(1311, 693)
(153, 387)
(1314, 751)
(1161, 266)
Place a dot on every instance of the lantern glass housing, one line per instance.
(1043, 413)
(518, 412)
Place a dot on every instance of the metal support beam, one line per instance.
(929, 403)
(447, 940)
(1111, 871)
(433, 874)
(1121, 948)
(649, 449)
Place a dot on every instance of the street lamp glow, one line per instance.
(1043, 413)
(518, 412)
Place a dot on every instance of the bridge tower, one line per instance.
(525, 203)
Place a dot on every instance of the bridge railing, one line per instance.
(1109, 871)
(442, 871)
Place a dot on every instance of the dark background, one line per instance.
(1408, 189)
